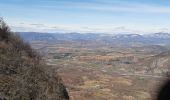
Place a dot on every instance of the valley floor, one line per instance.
(89, 84)
(104, 74)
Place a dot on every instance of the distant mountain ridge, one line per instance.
(155, 38)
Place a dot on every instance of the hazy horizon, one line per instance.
(87, 16)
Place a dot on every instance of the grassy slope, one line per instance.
(23, 75)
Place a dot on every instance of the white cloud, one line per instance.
(135, 8)
(111, 6)
(37, 27)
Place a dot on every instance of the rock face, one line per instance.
(23, 74)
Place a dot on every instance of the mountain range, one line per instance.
(124, 39)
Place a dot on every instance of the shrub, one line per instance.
(23, 74)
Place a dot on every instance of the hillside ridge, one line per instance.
(23, 73)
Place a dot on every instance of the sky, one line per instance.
(87, 16)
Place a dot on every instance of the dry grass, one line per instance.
(23, 74)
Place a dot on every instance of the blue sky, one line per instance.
(102, 16)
